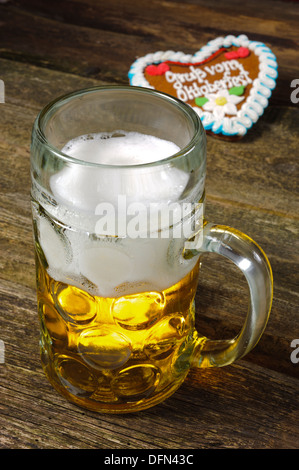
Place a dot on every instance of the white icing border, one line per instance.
(260, 92)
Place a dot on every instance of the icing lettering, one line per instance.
(201, 84)
(200, 74)
(223, 67)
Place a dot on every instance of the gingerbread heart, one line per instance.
(228, 82)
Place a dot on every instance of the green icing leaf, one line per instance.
(201, 101)
(236, 90)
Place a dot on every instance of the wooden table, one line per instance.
(49, 48)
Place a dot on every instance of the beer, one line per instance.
(116, 354)
(116, 313)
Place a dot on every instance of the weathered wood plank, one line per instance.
(32, 87)
(141, 18)
(88, 38)
(259, 171)
(49, 48)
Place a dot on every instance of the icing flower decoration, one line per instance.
(159, 69)
(241, 53)
(220, 103)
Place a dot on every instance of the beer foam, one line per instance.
(120, 148)
(83, 187)
(108, 263)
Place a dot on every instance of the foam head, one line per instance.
(83, 187)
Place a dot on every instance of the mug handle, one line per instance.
(254, 264)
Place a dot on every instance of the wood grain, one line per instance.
(50, 48)
(101, 40)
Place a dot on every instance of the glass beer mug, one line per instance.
(118, 178)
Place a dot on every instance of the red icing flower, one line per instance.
(157, 69)
(232, 55)
(242, 52)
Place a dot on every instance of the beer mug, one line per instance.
(118, 192)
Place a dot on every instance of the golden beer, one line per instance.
(116, 354)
